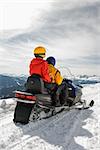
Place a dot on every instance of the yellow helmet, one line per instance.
(40, 51)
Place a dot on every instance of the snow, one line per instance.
(74, 130)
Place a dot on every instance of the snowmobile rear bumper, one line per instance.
(25, 97)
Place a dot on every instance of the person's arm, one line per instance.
(45, 72)
(58, 77)
(30, 68)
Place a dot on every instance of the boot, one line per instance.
(58, 104)
(57, 101)
(69, 102)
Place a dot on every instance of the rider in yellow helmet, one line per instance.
(40, 51)
(38, 65)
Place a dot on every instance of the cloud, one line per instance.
(18, 14)
(87, 60)
(63, 22)
(68, 29)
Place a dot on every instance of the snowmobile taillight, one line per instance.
(25, 97)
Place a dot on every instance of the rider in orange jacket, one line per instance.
(38, 65)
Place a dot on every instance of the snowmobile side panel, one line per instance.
(44, 100)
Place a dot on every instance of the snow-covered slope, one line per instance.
(74, 130)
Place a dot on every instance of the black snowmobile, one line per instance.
(36, 102)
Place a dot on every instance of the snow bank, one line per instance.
(74, 130)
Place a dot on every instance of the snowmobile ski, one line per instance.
(80, 106)
(86, 107)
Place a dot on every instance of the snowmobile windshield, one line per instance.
(66, 73)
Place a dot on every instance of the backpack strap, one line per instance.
(57, 72)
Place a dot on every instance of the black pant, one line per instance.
(59, 94)
(62, 93)
(51, 87)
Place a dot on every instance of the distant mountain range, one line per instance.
(8, 83)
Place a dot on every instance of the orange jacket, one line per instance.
(55, 75)
(40, 67)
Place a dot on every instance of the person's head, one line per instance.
(51, 60)
(40, 52)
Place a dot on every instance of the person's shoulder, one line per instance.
(32, 60)
(52, 67)
(44, 62)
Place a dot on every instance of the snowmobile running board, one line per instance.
(72, 107)
(80, 106)
(67, 108)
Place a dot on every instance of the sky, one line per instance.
(68, 29)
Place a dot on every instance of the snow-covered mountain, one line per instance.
(85, 79)
(10, 83)
(74, 130)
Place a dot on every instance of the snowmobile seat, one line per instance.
(35, 85)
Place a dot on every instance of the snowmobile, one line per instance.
(35, 103)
